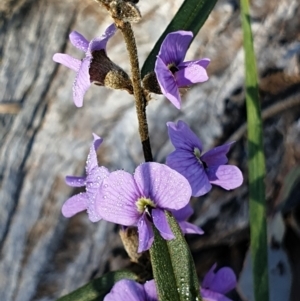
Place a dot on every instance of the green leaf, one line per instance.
(98, 288)
(191, 16)
(173, 267)
(256, 166)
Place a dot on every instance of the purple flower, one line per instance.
(130, 290)
(181, 216)
(140, 199)
(171, 72)
(84, 75)
(200, 170)
(92, 181)
(216, 285)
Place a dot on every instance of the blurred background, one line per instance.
(44, 137)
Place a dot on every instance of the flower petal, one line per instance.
(126, 289)
(190, 75)
(82, 82)
(161, 223)
(116, 203)
(183, 137)
(67, 61)
(75, 181)
(150, 290)
(224, 281)
(164, 186)
(74, 205)
(226, 176)
(183, 213)
(167, 83)
(191, 169)
(94, 180)
(146, 235)
(100, 42)
(203, 63)
(208, 295)
(189, 228)
(91, 161)
(79, 41)
(209, 277)
(175, 46)
(217, 156)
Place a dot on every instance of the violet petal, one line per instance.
(126, 289)
(217, 155)
(74, 204)
(161, 223)
(224, 281)
(189, 228)
(209, 277)
(203, 63)
(75, 181)
(79, 41)
(67, 61)
(117, 201)
(150, 290)
(191, 169)
(175, 46)
(226, 176)
(146, 235)
(183, 213)
(208, 295)
(183, 137)
(191, 75)
(92, 161)
(167, 83)
(100, 42)
(82, 82)
(164, 186)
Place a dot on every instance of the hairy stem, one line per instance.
(140, 101)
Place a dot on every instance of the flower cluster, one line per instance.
(142, 199)
(133, 200)
(214, 287)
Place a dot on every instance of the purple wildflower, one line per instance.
(216, 285)
(130, 290)
(171, 72)
(200, 170)
(181, 216)
(140, 199)
(84, 76)
(92, 181)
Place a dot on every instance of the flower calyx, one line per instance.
(103, 72)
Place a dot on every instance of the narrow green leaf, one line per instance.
(98, 288)
(191, 16)
(256, 165)
(173, 267)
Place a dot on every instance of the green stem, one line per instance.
(256, 162)
(140, 100)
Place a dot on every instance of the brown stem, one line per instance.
(140, 101)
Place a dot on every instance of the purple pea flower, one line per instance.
(130, 290)
(140, 199)
(200, 170)
(92, 181)
(84, 74)
(171, 72)
(216, 285)
(181, 216)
